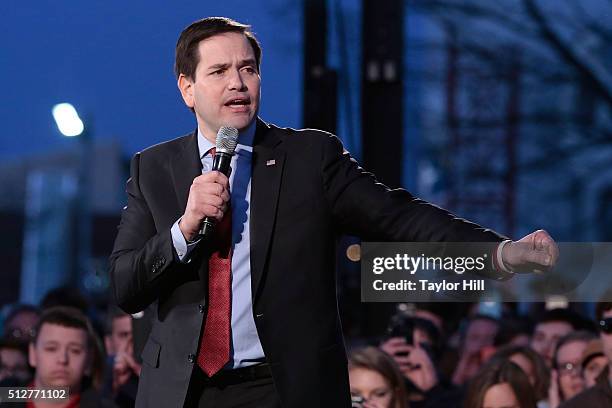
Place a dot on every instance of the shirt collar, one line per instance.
(245, 139)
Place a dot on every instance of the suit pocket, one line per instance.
(150, 353)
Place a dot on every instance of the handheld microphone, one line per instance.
(227, 139)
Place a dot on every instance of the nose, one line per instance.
(62, 357)
(235, 81)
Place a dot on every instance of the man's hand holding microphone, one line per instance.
(209, 194)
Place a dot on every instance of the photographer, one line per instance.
(414, 345)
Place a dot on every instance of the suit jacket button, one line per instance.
(191, 358)
(201, 308)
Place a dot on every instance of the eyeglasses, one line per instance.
(569, 368)
(605, 325)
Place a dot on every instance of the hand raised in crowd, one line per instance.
(413, 361)
(208, 197)
(467, 367)
(554, 394)
(536, 252)
(125, 366)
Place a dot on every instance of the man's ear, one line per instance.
(185, 85)
(32, 354)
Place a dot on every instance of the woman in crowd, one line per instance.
(532, 364)
(566, 378)
(375, 380)
(500, 384)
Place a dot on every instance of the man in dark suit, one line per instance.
(250, 318)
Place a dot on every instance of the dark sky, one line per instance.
(113, 61)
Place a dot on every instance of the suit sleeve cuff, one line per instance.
(181, 246)
(499, 260)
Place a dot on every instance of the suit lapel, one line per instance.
(268, 162)
(186, 166)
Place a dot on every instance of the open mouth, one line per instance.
(238, 103)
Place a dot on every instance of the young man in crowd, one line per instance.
(62, 353)
(549, 328)
(123, 370)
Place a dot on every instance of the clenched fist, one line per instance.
(208, 197)
(536, 252)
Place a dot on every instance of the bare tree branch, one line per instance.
(587, 67)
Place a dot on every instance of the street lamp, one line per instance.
(67, 120)
(70, 125)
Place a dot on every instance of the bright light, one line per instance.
(67, 120)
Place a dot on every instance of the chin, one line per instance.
(59, 382)
(240, 122)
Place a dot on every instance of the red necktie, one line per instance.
(215, 343)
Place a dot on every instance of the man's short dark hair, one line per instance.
(66, 316)
(562, 315)
(187, 56)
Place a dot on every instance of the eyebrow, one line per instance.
(55, 343)
(242, 63)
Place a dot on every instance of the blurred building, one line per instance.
(47, 185)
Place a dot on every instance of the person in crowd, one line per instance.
(566, 376)
(478, 337)
(122, 376)
(500, 384)
(593, 362)
(375, 380)
(435, 312)
(600, 395)
(549, 328)
(531, 363)
(513, 331)
(14, 369)
(62, 354)
(71, 296)
(414, 344)
(20, 322)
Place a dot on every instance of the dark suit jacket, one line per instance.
(299, 205)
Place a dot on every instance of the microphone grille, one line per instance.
(227, 139)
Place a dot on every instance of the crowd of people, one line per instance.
(559, 359)
(66, 343)
(426, 359)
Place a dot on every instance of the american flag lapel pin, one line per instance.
(270, 162)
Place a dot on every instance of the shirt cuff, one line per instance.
(181, 246)
(499, 260)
